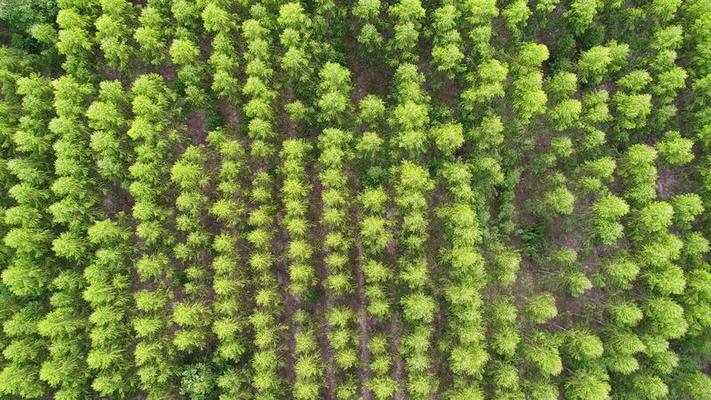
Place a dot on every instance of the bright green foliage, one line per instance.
(674, 149)
(559, 201)
(75, 208)
(686, 208)
(621, 272)
(529, 99)
(308, 368)
(566, 114)
(446, 53)
(448, 137)
(633, 109)
(587, 385)
(192, 313)
(407, 15)
(265, 361)
(639, 173)
(295, 38)
(582, 345)
(516, 15)
(335, 146)
(542, 351)
(149, 130)
(369, 11)
(28, 272)
(382, 385)
(454, 200)
(183, 51)
(607, 212)
(411, 115)
(223, 60)
(21, 15)
(489, 84)
(107, 117)
(113, 31)
(467, 277)
(153, 33)
(541, 308)
(295, 191)
(581, 14)
(599, 60)
(108, 292)
(228, 279)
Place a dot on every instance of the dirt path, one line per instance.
(364, 324)
(394, 332)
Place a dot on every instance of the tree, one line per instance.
(21, 15)
(587, 385)
(665, 318)
(529, 98)
(367, 9)
(697, 385)
(507, 264)
(446, 52)
(372, 111)
(566, 114)
(686, 207)
(335, 90)
(621, 272)
(197, 381)
(543, 390)
(634, 109)
(608, 211)
(581, 14)
(665, 9)
(542, 351)
(674, 149)
(541, 308)
(625, 314)
(639, 173)
(448, 137)
(112, 30)
(560, 201)
(582, 345)
(649, 386)
(151, 35)
(516, 14)
(593, 64)
(407, 14)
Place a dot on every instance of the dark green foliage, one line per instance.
(197, 381)
(20, 16)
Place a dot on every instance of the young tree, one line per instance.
(154, 141)
(529, 99)
(113, 28)
(607, 213)
(581, 14)
(674, 149)
(368, 11)
(587, 385)
(407, 15)
(31, 264)
(639, 173)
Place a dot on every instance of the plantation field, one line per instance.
(362, 199)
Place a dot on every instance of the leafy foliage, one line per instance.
(266, 200)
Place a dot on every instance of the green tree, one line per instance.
(639, 174)
(674, 149)
(587, 385)
(581, 14)
(541, 308)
